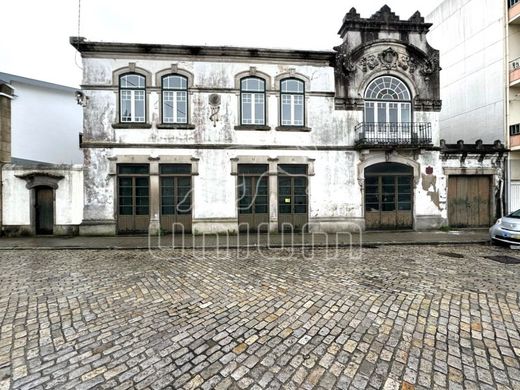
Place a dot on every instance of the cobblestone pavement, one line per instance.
(393, 317)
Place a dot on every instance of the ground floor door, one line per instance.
(44, 210)
(253, 197)
(469, 200)
(293, 199)
(133, 198)
(176, 198)
(388, 196)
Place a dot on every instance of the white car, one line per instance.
(506, 230)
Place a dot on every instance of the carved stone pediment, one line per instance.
(36, 179)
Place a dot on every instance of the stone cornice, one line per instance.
(87, 48)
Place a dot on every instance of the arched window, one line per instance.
(132, 95)
(292, 101)
(174, 99)
(252, 101)
(387, 100)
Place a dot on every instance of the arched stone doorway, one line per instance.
(388, 196)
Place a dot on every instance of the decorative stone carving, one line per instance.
(388, 58)
(407, 63)
(344, 64)
(430, 65)
(368, 63)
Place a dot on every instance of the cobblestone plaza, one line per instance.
(388, 317)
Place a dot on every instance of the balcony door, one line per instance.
(388, 109)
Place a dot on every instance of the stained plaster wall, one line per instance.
(335, 194)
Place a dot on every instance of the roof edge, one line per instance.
(84, 47)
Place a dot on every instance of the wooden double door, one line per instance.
(253, 197)
(174, 198)
(388, 196)
(469, 201)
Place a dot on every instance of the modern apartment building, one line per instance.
(480, 83)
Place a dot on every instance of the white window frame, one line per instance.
(252, 97)
(292, 121)
(175, 93)
(136, 95)
(402, 103)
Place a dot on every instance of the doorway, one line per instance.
(44, 210)
(293, 200)
(469, 201)
(388, 196)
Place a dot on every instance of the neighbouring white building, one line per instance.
(45, 122)
(41, 188)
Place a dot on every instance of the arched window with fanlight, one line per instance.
(174, 99)
(292, 94)
(132, 94)
(252, 101)
(388, 104)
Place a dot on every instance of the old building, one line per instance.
(222, 139)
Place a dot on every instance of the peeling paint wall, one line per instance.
(335, 189)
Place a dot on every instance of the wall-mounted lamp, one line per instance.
(81, 98)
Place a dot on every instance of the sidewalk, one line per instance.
(479, 236)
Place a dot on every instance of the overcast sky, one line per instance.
(35, 33)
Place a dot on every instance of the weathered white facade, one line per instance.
(352, 171)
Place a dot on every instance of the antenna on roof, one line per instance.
(79, 35)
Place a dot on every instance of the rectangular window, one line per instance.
(132, 106)
(175, 107)
(292, 110)
(514, 129)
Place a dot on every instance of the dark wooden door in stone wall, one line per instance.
(469, 201)
(388, 196)
(293, 200)
(133, 198)
(44, 207)
(176, 198)
(253, 197)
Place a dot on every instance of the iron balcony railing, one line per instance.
(394, 134)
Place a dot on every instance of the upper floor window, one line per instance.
(387, 100)
(252, 101)
(174, 99)
(132, 94)
(292, 99)
(512, 3)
